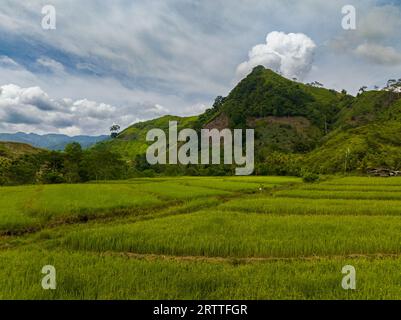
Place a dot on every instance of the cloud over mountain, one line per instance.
(31, 109)
(290, 54)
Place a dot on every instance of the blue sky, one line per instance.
(126, 61)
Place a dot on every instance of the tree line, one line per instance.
(73, 165)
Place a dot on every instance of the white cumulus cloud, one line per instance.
(33, 110)
(290, 54)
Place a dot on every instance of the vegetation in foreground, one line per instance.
(202, 238)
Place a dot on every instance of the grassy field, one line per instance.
(202, 238)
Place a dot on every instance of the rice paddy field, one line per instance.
(203, 238)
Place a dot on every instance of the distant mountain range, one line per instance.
(51, 141)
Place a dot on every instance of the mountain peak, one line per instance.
(259, 68)
(266, 72)
(265, 93)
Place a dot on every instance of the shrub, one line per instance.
(53, 178)
(310, 177)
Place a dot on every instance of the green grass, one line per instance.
(13, 200)
(268, 180)
(33, 207)
(59, 200)
(340, 194)
(365, 181)
(26, 208)
(228, 234)
(351, 187)
(91, 276)
(202, 238)
(300, 206)
(225, 185)
(177, 191)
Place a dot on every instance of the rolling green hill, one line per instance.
(366, 108)
(358, 149)
(326, 131)
(12, 150)
(367, 135)
(132, 141)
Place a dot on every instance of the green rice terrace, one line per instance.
(203, 238)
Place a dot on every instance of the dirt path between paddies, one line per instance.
(237, 260)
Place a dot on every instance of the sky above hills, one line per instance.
(125, 61)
